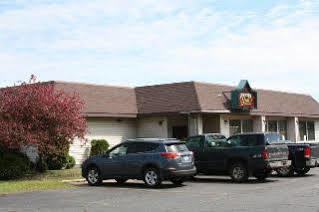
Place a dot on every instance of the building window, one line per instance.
(247, 126)
(240, 126)
(282, 128)
(278, 126)
(234, 127)
(307, 130)
(272, 126)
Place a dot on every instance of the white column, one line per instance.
(195, 124)
(291, 129)
(317, 130)
(260, 124)
(297, 133)
(224, 125)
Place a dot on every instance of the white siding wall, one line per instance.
(111, 129)
(152, 127)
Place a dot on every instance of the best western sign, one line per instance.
(243, 98)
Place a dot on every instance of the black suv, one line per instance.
(149, 159)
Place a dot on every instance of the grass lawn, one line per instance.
(38, 182)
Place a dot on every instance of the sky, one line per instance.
(272, 43)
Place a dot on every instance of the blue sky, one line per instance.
(272, 43)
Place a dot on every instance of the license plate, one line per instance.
(186, 159)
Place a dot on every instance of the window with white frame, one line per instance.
(278, 126)
(307, 130)
(240, 126)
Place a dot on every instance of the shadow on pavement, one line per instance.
(135, 185)
(229, 181)
(294, 176)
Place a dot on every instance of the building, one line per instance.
(190, 108)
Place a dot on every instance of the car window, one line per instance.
(119, 151)
(143, 147)
(176, 147)
(251, 140)
(272, 138)
(233, 141)
(215, 141)
(194, 142)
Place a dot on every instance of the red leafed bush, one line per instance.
(37, 113)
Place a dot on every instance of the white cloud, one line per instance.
(124, 41)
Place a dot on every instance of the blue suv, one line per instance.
(149, 159)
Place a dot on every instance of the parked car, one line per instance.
(303, 156)
(240, 156)
(151, 160)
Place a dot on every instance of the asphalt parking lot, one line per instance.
(205, 194)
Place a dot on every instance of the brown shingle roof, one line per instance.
(114, 101)
(103, 100)
(167, 98)
(197, 96)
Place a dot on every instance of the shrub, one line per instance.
(13, 165)
(70, 162)
(56, 162)
(99, 147)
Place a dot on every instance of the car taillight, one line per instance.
(265, 154)
(307, 152)
(169, 155)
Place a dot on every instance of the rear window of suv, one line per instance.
(176, 147)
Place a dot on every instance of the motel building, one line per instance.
(184, 109)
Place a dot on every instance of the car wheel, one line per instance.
(178, 180)
(286, 171)
(152, 177)
(121, 180)
(238, 173)
(94, 177)
(303, 171)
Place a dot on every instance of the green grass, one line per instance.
(39, 182)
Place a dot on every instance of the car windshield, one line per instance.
(176, 147)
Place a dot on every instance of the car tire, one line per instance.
(152, 178)
(238, 173)
(120, 180)
(303, 171)
(286, 171)
(93, 176)
(178, 180)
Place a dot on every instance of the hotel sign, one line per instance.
(243, 98)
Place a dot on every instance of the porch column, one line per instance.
(195, 124)
(224, 125)
(260, 124)
(293, 129)
(317, 130)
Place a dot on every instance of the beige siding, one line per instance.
(152, 127)
(111, 129)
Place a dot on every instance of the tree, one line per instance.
(37, 113)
